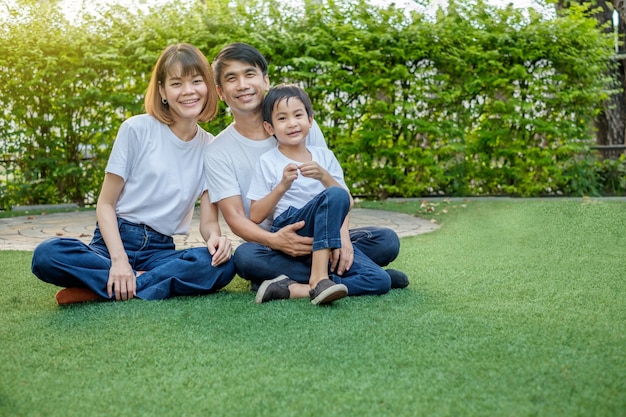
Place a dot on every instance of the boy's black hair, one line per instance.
(285, 92)
(238, 51)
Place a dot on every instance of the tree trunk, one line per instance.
(610, 123)
(620, 6)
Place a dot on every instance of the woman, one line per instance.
(152, 181)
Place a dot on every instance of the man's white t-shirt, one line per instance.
(163, 175)
(229, 162)
(269, 173)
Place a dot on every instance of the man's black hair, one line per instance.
(241, 52)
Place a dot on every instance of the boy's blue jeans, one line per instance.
(169, 272)
(323, 216)
(374, 247)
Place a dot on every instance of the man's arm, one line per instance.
(285, 240)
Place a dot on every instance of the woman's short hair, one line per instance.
(188, 59)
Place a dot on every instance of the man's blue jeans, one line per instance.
(169, 272)
(374, 247)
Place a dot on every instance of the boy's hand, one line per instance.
(290, 174)
(312, 169)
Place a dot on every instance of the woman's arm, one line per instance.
(122, 281)
(219, 246)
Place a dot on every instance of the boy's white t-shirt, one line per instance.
(269, 173)
(229, 162)
(163, 175)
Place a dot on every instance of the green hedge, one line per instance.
(473, 101)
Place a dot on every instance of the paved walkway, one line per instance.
(25, 232)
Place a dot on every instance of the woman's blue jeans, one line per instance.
(68, 262)
(374, 247)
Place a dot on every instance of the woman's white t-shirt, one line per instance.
(163, 175)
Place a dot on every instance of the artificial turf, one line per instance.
(515, 308)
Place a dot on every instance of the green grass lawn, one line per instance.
(515, 308)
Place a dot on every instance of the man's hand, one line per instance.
(341, 259)
(288, 241)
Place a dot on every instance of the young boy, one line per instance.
(293, 182)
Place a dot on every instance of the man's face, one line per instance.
(243, 87)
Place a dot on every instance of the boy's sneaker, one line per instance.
(326, 291)
(398, 278)
(274, 289)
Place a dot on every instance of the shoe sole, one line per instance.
(75, 295)
(331, 294)
(264, 286)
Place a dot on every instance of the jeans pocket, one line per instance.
(97, 238)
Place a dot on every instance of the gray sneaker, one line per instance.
(326, 291)
(274, 289)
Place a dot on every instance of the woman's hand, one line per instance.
(220, 249)
(122, 281)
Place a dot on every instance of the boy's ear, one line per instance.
(268, 128)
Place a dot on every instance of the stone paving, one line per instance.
(25, 232)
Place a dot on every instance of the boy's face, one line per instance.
(243, 87)
(290, 122)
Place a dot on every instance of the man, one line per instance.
(275, 263)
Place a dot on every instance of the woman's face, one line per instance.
(186, 95)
